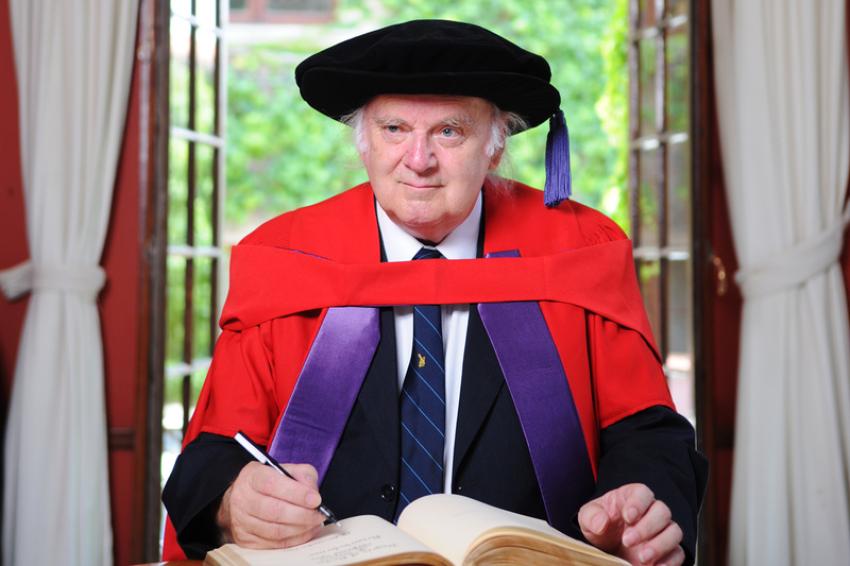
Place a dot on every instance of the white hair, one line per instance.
(354, 120)
(502, 125)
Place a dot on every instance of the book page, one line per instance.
(358, 539)
(451, 524)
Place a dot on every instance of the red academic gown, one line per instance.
(576, 262)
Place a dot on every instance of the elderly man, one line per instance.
(514, 366)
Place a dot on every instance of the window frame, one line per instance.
(155, 215)
(657, 142)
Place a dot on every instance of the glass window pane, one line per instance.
(678, 81)
(679, 195)
(175, 306)
(647, 13)
(679, 360)
(172, 419)
(647, 49)
(178, 159)
(204, 194)
(205, 83)
(648, 201)
(679, 307)
(202, 314)
(178, 87)
(172, 423)
(658, 111)
(198, 378)
(237, 5)
(677, 8)
(206, 12)
(649, 276)
(181, 7)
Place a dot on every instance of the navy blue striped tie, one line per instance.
(423, 405)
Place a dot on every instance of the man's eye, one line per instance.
(449, 132)
(392, 128)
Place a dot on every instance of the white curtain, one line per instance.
(73, 62)
(781, 75)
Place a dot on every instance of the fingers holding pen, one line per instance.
(265, 509)
(301, 490)
(306, 475)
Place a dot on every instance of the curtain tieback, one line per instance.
(796, 265)
(82, 279)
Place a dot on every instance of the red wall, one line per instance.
(120, 318)
(118, 303)
(13, 239)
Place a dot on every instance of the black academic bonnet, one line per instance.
(429, 57)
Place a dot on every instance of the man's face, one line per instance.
(426, 159)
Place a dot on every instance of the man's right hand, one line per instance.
(265, 509)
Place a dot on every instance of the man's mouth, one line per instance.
(420, 185)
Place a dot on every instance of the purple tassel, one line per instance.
(558, 179)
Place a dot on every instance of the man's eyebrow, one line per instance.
(461, 120)
(387, 120)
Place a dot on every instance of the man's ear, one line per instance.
(362, 147)
(496, 159)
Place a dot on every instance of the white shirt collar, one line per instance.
(461, 243)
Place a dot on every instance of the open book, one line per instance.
(438, 530)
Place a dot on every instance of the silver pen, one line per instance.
(265, 458)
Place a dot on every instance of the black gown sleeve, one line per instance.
(192, 495)
(656, 447)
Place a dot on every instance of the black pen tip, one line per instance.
(330, 518)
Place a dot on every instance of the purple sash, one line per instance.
(331, 377)
(339, 360)
(544, 404)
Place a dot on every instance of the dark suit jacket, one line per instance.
(491, 460)
(492, 463)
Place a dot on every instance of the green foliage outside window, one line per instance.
(282, 154)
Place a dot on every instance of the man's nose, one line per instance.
(420, 156)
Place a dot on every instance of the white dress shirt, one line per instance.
(461, 243)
